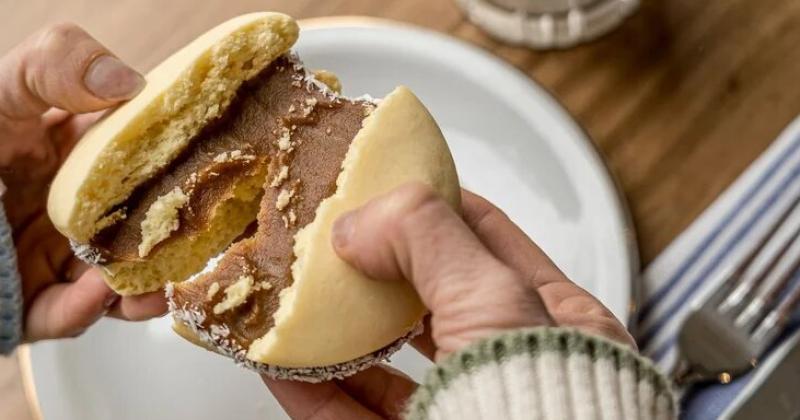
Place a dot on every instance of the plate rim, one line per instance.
(611, 180)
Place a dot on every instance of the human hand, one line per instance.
(51, 87)
(479, 275)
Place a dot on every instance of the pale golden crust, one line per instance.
(190, 88)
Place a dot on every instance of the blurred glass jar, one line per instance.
(545, 24)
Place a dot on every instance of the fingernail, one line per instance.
(343, 229)
(109, 78)
(110, 300)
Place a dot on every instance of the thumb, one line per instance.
(62, 66)
(412, 234)
(67, 309)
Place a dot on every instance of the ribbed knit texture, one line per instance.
(10, 290)
(544, 373)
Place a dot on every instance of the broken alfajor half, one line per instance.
(221, 182)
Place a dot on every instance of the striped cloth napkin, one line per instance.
(692, 266)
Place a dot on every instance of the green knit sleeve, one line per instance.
(544, 373)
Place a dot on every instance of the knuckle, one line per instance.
(48, 45)
(481, 211)
(415, 196)
(58, 33)
(487, 215)
(416, 202)
(55, 42)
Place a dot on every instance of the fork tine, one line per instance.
(744, 286)
(777, 318)
(785, 263)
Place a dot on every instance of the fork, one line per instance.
(726, 334)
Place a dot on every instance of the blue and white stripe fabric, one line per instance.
(720, 238)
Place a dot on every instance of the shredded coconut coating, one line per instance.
(87, 253)
(216, 336)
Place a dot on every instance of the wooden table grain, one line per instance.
(679, 100)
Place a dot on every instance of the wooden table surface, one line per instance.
(679, 100)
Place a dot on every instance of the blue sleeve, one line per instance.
(10, 290)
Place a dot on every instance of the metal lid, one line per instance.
(546, 24)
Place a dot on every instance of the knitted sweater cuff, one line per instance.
(544, 373)
(10, 290)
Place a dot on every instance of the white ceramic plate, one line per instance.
(512, 143)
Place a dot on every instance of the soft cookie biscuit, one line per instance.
(222, 180)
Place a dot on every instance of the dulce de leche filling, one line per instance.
(284, 128)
